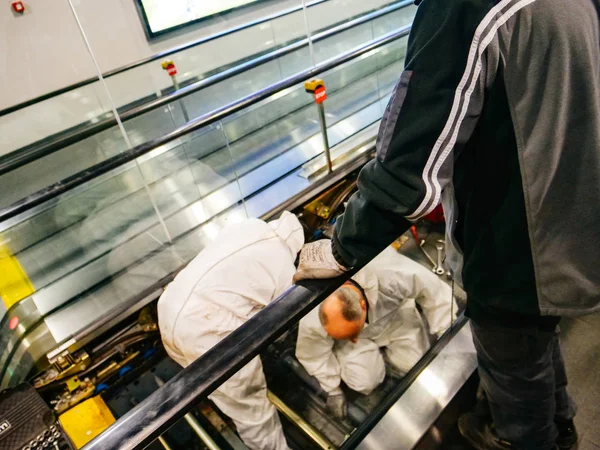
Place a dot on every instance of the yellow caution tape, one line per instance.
(15, 285)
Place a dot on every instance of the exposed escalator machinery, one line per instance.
(80, 394)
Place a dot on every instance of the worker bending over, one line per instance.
(247, 267)
(342, 338)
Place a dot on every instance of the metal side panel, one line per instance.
(416, 411)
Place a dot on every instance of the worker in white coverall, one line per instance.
(249, 265)
(341, 339)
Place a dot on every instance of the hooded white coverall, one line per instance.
(249, 265)
(393, 285)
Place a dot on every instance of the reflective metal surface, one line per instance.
(415, 412)
(178, 180)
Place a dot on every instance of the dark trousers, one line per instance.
(523, 375)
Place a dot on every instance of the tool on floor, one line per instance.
(431, 260)
(437, 266)
(439, 270)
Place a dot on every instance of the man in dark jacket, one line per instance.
(497, 116)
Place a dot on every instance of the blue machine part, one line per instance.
(101, 387)
(124, 370)
(149, 353)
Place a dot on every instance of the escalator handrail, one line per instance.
(57, 189)
(21, 157)
(158, 56)
(149, 419)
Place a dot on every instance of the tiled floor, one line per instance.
(581, 349)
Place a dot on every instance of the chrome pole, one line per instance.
(306, 427)
(194, 425)
(323, 123)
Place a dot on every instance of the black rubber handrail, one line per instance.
(26, 155)
(57, 189)
(158, 56)
(157, 413)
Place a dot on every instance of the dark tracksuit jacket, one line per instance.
(497, 115)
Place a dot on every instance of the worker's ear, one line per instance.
(363, 304)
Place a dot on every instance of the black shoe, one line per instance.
(480, 433)
(567, 435)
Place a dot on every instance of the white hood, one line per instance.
(289, 229)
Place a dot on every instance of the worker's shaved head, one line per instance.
(348, 300)
(343, 313)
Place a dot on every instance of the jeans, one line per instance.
(523, 375)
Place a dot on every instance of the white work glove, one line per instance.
(317, 261)
(336, 403)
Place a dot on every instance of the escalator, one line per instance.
(27, 166)
(100, 245)
(125, 365)
(105, 241)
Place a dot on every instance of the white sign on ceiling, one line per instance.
(163, 15)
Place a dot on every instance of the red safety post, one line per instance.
(317, 88)
(169, 66)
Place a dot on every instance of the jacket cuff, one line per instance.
(338, 257)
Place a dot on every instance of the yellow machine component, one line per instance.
(87, 420)
(83, 392)
(73, 383)
(67, 364)
(14, 282)
(321, 208)
(114, 367)
(146, 321)
(312, 85)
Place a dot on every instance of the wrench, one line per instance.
(439, 270)
(427, 255)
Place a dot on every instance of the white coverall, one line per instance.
(393, 285)
(249, 265)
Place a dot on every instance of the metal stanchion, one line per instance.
(169, 66)
(307, 428)
(164, 443)
(317, 88)
(194, 425)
